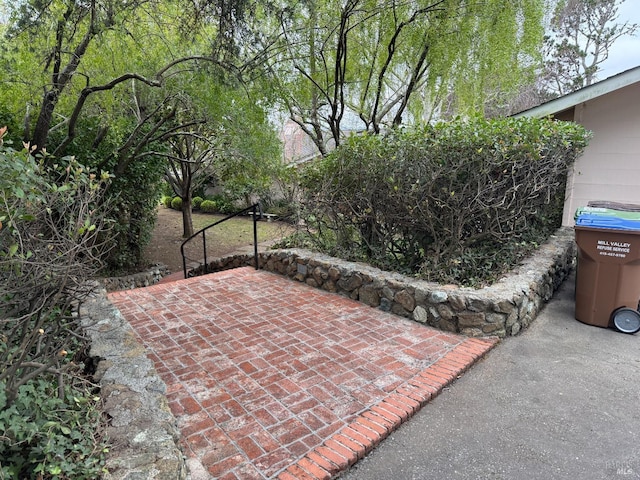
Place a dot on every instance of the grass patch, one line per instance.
(236, 230)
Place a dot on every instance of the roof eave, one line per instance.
(585, 94)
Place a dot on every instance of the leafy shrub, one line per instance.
(227, 208)
(176, 203)
(224, 204)
(218, 204)
(51, 226)
(135, 195)
(166, 201)
(447, 201)
(196, 202)
(44, 436)
(209, 206)
(134, 191)
(50, 245)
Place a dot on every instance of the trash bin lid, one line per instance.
(626, 207)
(599, 220)
(607, 212)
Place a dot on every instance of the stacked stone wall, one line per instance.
(502, 309)
(150, 276)
(141, 429)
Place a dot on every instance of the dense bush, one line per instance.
(134, 191)
(196, 202)
(218, 204)
(209, 206)
(136, 196)
(45, 436)
(51, 222)
(166, 201)
(225, 204)
(49, 247)
(176, 203)
(455, 202)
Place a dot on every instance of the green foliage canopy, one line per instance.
(376, 65)
(118, 80)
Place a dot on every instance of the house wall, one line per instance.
(609, 169)
(297, 146)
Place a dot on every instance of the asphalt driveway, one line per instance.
(560, 401)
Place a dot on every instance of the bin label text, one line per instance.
(613, 249)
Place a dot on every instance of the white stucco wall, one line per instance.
(609, 169)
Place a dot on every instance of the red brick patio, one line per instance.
(270, 378)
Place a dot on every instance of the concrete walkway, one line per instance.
(560, 401)
(270, 378)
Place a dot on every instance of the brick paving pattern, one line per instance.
(270, 378)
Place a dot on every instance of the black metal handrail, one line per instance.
(255, 208)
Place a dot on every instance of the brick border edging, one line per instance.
(502, 309)
(353, 442)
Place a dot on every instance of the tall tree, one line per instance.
(189, 155)
(372, 65)
(581, 35)
(219, 134)
(100, 79)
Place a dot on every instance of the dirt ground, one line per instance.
(224, 239)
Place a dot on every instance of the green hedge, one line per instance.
(453, 202)
(218, 204)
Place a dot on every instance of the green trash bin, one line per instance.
(608, 271)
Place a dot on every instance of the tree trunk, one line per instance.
(187, 222)
(41, 131)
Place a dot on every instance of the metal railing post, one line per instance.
(204, 247)
(255, 235)
(184, 261)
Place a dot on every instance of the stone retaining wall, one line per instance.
(142, 431)
(502, 309)
(136, 280)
